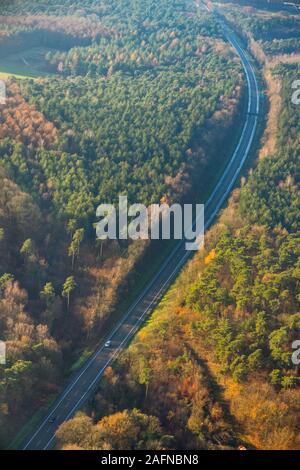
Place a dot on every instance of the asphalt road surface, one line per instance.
(84, 383)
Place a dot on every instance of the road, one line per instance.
(84, 383)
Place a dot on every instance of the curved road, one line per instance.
(83, 384)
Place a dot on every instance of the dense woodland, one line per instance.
(213, 363)
(82, 27)
(276, 32)
(145, 109)
(19, 33)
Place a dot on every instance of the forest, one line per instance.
(145, 108)
(214, 363)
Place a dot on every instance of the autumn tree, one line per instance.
(74, 247)
(68, 287)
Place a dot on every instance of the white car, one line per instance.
(108, 344)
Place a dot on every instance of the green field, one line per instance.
(16, 75)
(26, 64)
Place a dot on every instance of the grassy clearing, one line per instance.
(26, 64)
(5, 75)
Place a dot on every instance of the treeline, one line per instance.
(62, 32)
(263, 4)
(275, 28)
(281, 46)
(267, 28)
(53, 7)
(79, 27)
(274, 33)
(145, 44)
